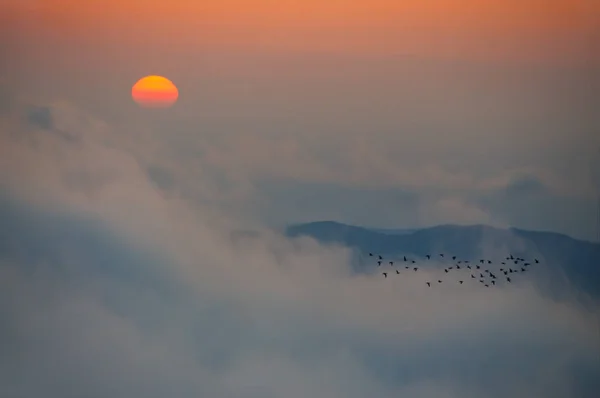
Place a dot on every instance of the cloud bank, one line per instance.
(115, 283)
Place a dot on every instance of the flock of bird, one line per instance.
(479, 271)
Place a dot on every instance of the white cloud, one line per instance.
(155, 299)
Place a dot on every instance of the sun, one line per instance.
(154, 92)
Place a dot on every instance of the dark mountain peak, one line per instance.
(579, 260)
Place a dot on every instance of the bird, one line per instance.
(486, 285)
(481, 261)
(453, 257)
(391, 263)
(415, 269)
(461, 282)
(536, 261)
(404, 258)
(370, 254)
(428, 256)
(407, 267)
(494, 283)
(466, 261)
(450, 267)
(397, 272)
(508, 279)
(439, 281)
(445, 270)
(381, 258)
(468, 266)
(429, 284)
(378, 263)
(477, 266)
(385, 274)
(522, 269)
(441, 254)
(457, 266)
(413, 261)
(489, 261)
(501, 269)
(472, 276)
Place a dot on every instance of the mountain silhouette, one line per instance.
(562, 258)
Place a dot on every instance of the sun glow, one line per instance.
(154, 91)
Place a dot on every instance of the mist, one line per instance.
(112, 285)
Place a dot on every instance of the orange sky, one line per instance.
(516, 27)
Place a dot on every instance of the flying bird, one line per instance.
(429, 284)
(385, 274)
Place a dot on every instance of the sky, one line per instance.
(118, 275)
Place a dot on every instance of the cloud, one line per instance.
(113, 285)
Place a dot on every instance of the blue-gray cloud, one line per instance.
(87, 311)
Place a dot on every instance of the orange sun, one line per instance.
(154, 92)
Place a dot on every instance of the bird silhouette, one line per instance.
(428, 256)
(461, 282)
(429, 284)
(415, 269)
(385, 274)
(378, 263)
(397, 272)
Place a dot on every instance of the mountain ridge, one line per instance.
(565, 256)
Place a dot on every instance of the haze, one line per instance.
(118, 275)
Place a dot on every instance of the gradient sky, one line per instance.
(457, 111)
(118, 274)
